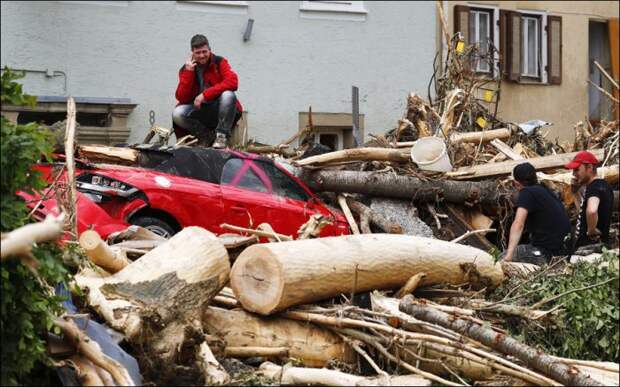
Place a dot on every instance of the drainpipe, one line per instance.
(49, 74)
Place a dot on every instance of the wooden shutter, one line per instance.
(503, 46)
(461, 21)
(554, 49)
(513, 45)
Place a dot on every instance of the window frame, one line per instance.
(495, 32)
(231, 3)
(334, 6)
(542, 37)
(338, 134)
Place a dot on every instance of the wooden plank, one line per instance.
(506, 167)
(505, 149)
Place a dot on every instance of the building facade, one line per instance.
(120, 59)
(547, 53)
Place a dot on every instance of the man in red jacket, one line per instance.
(205, 95)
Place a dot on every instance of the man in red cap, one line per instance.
(594, 203)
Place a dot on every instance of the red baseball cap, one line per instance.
(583, 157)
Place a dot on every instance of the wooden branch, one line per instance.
(19, 242)
(70, 163)
(273, 276)
(300, 376)
(506, 167)
(313, 227)
(357, 154)
(611, 79)
(604, 92)
(375, 217)
(264, 234)
(90, 350)
(470, 233)
(214, 373)
(347, 213)
(243, 352)
(477, 137)
(106, 154)
(411, 285)
(504, 344)
(101, 254)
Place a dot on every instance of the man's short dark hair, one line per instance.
(199, 41)
(525, 174)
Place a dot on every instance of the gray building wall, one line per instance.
(295, 58)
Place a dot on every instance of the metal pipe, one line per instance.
(47, 73)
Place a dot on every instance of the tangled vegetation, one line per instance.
(586, 295)
(28, 302)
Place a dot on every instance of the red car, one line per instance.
(204, 187)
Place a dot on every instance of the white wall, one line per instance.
(294, 59)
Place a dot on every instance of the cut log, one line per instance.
(298, 376)
(540, 361)
(101, 254)
(156, 300)
(505, 168)
(476, 137)
(270, 277)
(313, 345)
(357, 154)
(107, 154)
(404, 187)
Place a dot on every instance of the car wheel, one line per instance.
(155, 225)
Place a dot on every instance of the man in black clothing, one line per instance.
(594, 205)
(542, 214)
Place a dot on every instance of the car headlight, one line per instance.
(91, 183)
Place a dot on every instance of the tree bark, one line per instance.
(404, 187)
(313, 345)
(108, 154)
(270, 277)
(157, 300)
(357, 154)
(542, 362)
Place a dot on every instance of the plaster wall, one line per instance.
(563, 104)
(294, 58)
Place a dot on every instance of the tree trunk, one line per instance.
(357, 154)
(270, 277)
(313, 345)
(505, 167)
(101, 254)
(542, 362)
(404, 187)
(157, 300)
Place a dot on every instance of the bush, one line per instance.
(588, 326)
(28, 304)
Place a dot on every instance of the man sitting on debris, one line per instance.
(594, 200)
(541, 212)
(206, 98)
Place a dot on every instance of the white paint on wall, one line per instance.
(290, 62)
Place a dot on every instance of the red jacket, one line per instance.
(217, 73)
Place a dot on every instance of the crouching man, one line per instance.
(206, 98)
(594, 200)
(542, 214)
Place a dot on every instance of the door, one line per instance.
(600, 106)
(246, 194)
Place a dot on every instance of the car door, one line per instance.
(246, 194)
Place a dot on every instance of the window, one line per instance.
(330, 140)
(334, 6)
(530, 46)
(240, 173)
(481, 21)
(529, 42)
(283, 185)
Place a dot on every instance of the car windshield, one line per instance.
(196, 163)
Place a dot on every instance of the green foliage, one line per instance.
(27, 304)
(588, 327)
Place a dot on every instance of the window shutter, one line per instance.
(513, 45)
(504, 59)
(461, 21)
(554, 49)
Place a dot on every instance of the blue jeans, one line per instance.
(219, 115)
